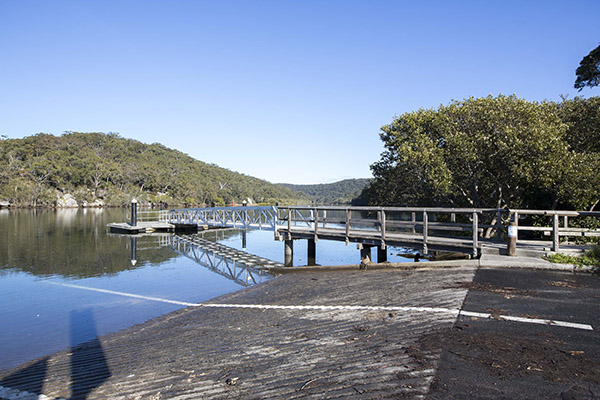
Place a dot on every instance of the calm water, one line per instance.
(53, 262)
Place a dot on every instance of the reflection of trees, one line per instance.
(70, 243)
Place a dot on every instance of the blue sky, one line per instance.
(288, 91)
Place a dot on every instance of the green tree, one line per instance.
(487, 152)
(588, 72)
(582, 117)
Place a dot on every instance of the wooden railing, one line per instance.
(391, 222)
(435, 224)
(557, 224)
(426, 226)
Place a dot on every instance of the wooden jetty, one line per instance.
(425, 229)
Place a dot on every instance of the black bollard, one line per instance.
(133, 212)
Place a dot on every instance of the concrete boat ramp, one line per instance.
(354, 334)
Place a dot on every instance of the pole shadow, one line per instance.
(89, 368)
(88, 365)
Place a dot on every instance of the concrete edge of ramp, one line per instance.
(485, 261)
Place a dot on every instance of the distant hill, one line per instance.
(337, 193)
(105, 169)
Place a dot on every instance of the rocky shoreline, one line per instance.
(69, 201)
(64, 201)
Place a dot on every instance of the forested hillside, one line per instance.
(106, 169)
(342, 192)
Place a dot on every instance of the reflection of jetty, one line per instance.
(243, 268)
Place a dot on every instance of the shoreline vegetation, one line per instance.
(590, 258)
(94, 170)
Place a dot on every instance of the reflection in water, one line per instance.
(243, 268)
(133, 250)
(70, 243)
(66, 216)
(73, 247)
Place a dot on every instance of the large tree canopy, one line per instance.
(588, 72)
(488, 152)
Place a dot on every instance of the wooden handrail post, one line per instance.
(316, 215)
(555, 233)
(475, 233)
(414, 222)
(499, 223)
(425, 231)
(347, 226)
(275, 217)
(382, 223)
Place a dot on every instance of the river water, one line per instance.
(65, 280)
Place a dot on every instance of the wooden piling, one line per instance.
(289, 253)
(381, 254)
(365, 254)
(312, 252)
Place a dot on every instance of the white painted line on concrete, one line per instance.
(136, 296)
(335, 308)
(528, 320)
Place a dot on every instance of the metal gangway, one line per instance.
(257, 217)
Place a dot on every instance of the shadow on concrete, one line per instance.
(29, 379)
(88, 362)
